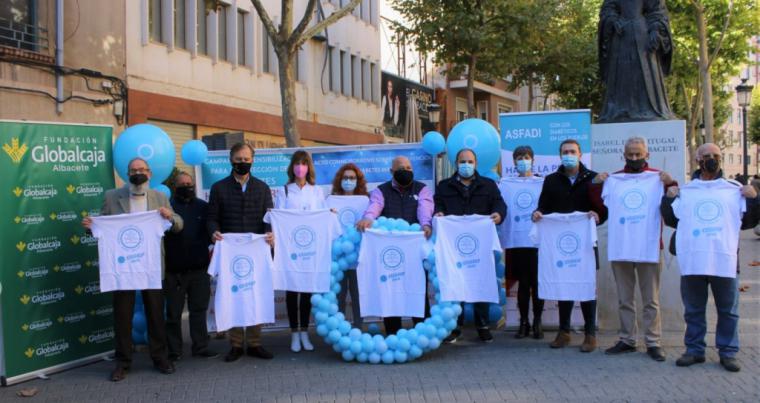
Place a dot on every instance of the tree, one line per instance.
(464, 35)
(286, 40)
(753, 117)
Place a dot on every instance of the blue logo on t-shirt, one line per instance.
(392, 257)
(242, 266)
(708, 211)
(347, 216)
(303, 236)
(523, 200)
(696, 232)
(634, 199)
(130, 237)
(568, 243)
(121, 259)
(559, 263)
(466, 244)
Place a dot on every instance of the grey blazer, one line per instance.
(116, 201)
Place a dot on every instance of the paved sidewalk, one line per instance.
(506, 370)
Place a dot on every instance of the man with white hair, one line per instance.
(641, 257)
(708, 266)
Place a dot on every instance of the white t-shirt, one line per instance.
(350, 208)
(390, 275)
(521, 196)
(566, 262)
(634, 224)
(302, 248)
(464, 258)
(309, 197)
(242, 265)
(129, 250)
(709, 222)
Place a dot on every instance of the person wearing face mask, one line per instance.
(137, 197)
(350, 199)
(724, 289)
(300, 193)
(237, 204)
(466, 193)
(402, 197)
(573, 188)
(187, 260)
(648, 273)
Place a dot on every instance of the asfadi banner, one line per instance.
(543, 132)
(53, 314)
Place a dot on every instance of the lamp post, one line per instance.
(743, 97)
(434, 114)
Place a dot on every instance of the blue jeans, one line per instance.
(726, 295)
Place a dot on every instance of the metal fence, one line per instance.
(23, 36)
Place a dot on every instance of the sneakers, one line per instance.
(589, 344)
(305, 342)
(688, 360)
(620, 348)
(656, 353)
(485, 335)
(295, 342)
(453, 337)
(562, 340)
(730, 364)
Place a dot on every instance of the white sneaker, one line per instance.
(295, 342)
(306, 342)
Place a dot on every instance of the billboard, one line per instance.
(399, 111)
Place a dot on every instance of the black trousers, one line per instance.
(298, 312)
(393, 323)
(524, 265)
(479, 315)
(123, 310)
(195, 286)
(589, 315)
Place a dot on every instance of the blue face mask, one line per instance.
(569, 161)
(466, 170)
(523, 166)
(348, 185)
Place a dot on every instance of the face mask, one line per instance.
(711, 166)
(185, 192)
(348, 185)
(465, 169)
(523, 166)
(138, 179)
(403, 177)
(569, 161)
(300, 171)
(241, 168)
(635, 165)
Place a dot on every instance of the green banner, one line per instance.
(52, 175)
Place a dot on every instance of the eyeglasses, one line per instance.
(138, 171)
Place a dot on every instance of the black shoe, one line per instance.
(538, 330)
(687, 360)
(259, 352)
(620, 348)
(166, 367)
(119, 373)
(524, 330)
(175, 357)
(730, 364)
(656, 353)
(206, 354)
(234, 354)
(453, 337)
(485, 335)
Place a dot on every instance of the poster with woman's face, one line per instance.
(395, 93)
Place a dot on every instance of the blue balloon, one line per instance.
(356, 347)
(479, 136)
(373, 328)
(491, 175)
(194, 152)
(381, 346)
(494, 313)
(148, 142)
(333, 336)
(163, 189)
(332, 323)
(500, 271)
(404, 344)
(415, 352)
(348, 355)
(347, 247)
(344, 327)
(368, 346)
(388, 357)
(362, 357)
(344, 343)
(322, 330)
(423, 341)
(320, 317)
(400, 356)
(315, 298)
(138, 337)
(392, 341)
(139, 323)
(355, 334)
(374, 358)
(433, 143)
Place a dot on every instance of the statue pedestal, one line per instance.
(667, 152)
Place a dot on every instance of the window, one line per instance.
(730, 158)
(357, 78)
(154, 20)
(265, 45)
(503, 108)
(20, 26)
(179, 24)
(375, 78)
(345, 74)
(461, 109)
(241, 38)
(483, 110)
(365, 80)
(222, 32)
(330, 68)
(201, 27)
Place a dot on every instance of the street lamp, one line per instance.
(743, 97)
(434, 114)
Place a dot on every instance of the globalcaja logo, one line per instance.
(15, 150)
(71, 267)
(634, 199)
(71, 318)
(37, 325)
(97, 336)
(91, 213)
(48, 349)
(35, 272)
(523, 200)
(103, 311)
(91, 288)
(303, 236)
(64, 216)
(67, 159)
(36, 192)
(40, 245)
(29, 219)
(88, 240)
(87, 189)
(347, 216)
(130, 237)
(44, 297)
(95, 263)
(708, 211)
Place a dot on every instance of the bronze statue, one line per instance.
(635, 51)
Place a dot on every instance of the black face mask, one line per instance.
(138, 179)
(241, 168)
(710, 166)
(403, 177)
(185, 192)
(635, 165)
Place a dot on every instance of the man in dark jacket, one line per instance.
(694, 287)
(187, 262)
(238, 203)
(573, 188)
(466, 193)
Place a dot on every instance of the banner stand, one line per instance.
(43, 373)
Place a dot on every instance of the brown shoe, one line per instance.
(589, 344)
(562, 340)
(119, 373)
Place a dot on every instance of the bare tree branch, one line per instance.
(320, 26)
(266, 20)
(722, 35)
(307, 16)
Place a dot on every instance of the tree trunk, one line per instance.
(704, 74)
(530, 95)
(471, 112)
(287, 79)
